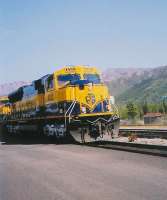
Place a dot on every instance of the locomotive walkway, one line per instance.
(50, 171)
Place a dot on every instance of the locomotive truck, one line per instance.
(71, 101)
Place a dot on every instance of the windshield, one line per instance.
(94, 78)
(62, 79)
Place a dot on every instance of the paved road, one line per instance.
(71, 172)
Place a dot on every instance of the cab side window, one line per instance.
(49, 83)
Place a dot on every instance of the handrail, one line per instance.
(71, 110)
(68, 110)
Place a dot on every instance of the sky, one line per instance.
(38, 36)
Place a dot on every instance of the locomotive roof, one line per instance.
(78, 69)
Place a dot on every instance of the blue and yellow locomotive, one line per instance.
(71, 101)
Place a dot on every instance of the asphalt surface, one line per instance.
(72, 172)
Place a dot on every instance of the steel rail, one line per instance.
(156, 150)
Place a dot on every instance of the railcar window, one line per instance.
(95, 78)
(28, 91)
(62, 79)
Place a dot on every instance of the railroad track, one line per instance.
(139, 131)
(157, 150)
(144, 131)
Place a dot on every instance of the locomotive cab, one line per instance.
(82, 85)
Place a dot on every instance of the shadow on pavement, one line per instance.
(29, 139)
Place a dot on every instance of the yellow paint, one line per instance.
(3, 98)
(5, 110)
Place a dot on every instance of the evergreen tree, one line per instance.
(145, 107)
(131, 110)
(164, 103)
(161, 110)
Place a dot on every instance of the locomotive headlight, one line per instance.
(109, 107)
(83, 109)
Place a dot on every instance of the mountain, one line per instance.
(121, 79)
(112, 74)
(150, 84)
(5, 89)
(152, 87)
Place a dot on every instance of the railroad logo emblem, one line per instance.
(90, 99)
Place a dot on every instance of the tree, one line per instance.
(153, 107)
(164, 105)
(131, 110)
(140, 110)
(145, 107)
(161, 110)
(123, 112)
